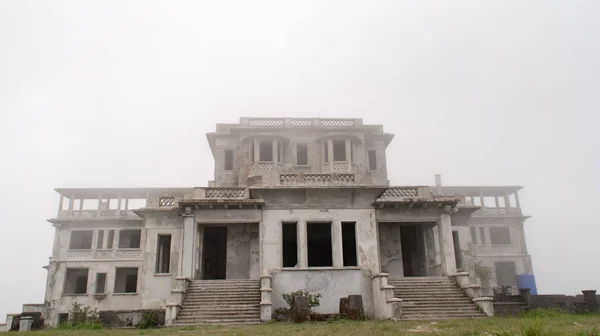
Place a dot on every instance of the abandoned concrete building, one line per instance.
(295, 204)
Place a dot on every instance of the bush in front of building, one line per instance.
(82, 317)
(284, 314)
(149, 320)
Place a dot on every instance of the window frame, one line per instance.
(305, 146)
(76, 231)
(228, 158)
(158, 261)
(509, 235)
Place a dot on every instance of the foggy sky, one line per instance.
(121, 93)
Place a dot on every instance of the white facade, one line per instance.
(299, 203)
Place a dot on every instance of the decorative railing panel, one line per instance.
(302, 122)
(79, 254)
(317, 179)
(266, 122)
(496, 249)
(339, 167)
(225, 193)
(84, 214)
(497, 211)
(166, 202)
(400, 192)
(128, 253)
(98, 214)
(337, 122)
(262, 167)
(108, 213)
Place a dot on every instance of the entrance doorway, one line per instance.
(214, 253)
(413, 252)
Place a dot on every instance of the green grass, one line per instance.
(536, 323)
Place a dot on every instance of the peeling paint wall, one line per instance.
(242, 251)
(390, 249)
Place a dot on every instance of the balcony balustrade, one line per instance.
(484, 211)
(301, 122)
(339, 167)
(121, 253)
(265, 167)
(97, 214)
(316, 179)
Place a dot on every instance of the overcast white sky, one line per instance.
(121, 93)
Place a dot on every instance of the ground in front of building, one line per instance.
(553, 323)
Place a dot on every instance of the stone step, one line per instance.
(234, 321)
(440, 317)
(194, 309)
(439, 309)
(220, 298)
(208, 316)
(232, 289)
(224, 294)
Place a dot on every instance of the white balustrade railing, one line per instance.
(97, 214)
(317, 179)
(103, 254)
(339, 167)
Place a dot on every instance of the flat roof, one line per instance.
(116, 192)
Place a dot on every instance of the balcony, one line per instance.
(316, 179)
(301, 122)
(497, 211)
(264, 167)
(339, 167)
(97, 214)
(121, 253)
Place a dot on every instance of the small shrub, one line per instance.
(149, 320)
(593, 332)
(82, 317)
(314, 300)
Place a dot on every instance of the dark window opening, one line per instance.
(111, 239)
(372, 160)
(163, 254)
(318, 241)
(506, 273)
(81, 240)
(228, 159)
(266, 151)
(349, 243)
(339, 150)
(290, 244)
(500, 236)
(126, 280)
(130, 239)
(76, 281)
(301, 154)
(100, 283)
(482, 237)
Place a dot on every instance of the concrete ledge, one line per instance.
(266, 289)
(350, 268)
(381, 275)
(266, 303)
(393, 300)
(387, 287)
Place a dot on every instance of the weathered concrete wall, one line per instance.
(242, 251)
(332, 284)
(390, 249)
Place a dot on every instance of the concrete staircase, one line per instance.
(221, 302)
(433, 298)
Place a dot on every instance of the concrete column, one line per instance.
(336, 244)
(348, 151)
(446, 244)
(189, 238)
(60, 203)
(126, 203)
(71, 201)
(330, 153)
(275, 151)
(481, 199)
(256, 150)
(518, 204)
(506, 200)
(119, 202)
(302, 248)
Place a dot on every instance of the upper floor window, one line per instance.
(228, 159)
(339, 150)
(81, 240)
(500, 235)
(130, 238)
(301, 155)
(372, 160)
(266, 151)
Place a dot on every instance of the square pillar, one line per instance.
(330, 153)
(336, 244)
(256, 150)
(188, 248)
(446, 243)
(349, 153)
(302, 247)
(275, 151)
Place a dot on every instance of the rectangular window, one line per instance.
(339, 150)
(372, 160)
(81, 240)
(100, 240)
(163, 254)
(301, 155)
(111, 239)
(349, 243)
(482, 237)
(130, 239)
(228, 159)
(474, 235)
(266, 151)
(318, 241)
(290, 244)
(126, 280)
(506, 273)
(100, 283)
(500, 235)
(76, 281)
